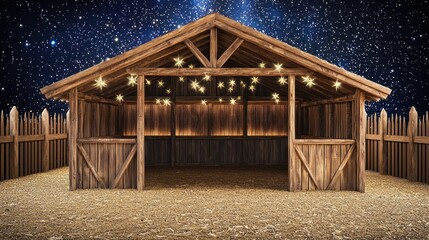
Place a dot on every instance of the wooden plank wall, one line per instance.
(99, 119)
(331, 120)
(31, 144)
(392, 147)
(157, 120)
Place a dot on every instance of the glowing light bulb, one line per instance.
(100, 83)
(132, 80)
(220, 85)
(206, 78)
(161, 83)
(255, 80)
(262, 65)
(336, 85)
(204, 102)
(282, 81)
(278, 67)
(181, 79)
(179, 62)
(119, 98)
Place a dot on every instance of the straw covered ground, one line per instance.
(205, 203)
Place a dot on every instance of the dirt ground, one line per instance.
(205, 203)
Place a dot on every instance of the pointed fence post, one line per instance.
(45, 132)
(14, 150)
(412, 132)
(382, 149)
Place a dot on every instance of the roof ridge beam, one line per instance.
(234, 72)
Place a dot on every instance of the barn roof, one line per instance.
(247, 48)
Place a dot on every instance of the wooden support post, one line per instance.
(72, 137)
(412, 132)
(360, 126)
(291, 134)
(245, 108)
(213, 47)
(298, 120)
(45, 146)
(14, 147)
(382, 144)
(173, 123)
(140, 133)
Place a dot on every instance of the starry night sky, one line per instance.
(42, 42)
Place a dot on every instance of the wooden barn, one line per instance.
(216, 93)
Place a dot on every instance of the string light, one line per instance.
(206, 78)
(220, 100)
(202, 89)
(336, 85)
(168, 91)
(230, 89)
(119, 98)
(220, 85)
(179, 62)
(309, 82)
(231, 83)
(195, 85)
(100, 83)
(161, 83)
(255, 80)
(277, 101)
(282, 81)
(158, 101)
(232, 101)
(166, 102)
(181, 79)
(276, 96)
(278, 67)
(191, 66)
(252, 88)
(262, 65)
(132, 80)
(243, 85)
(204, 102)
(148, 82)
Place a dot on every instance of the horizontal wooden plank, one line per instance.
(421, 139)
(373, 137)
(106, 140)
(6, 139)
(231, 72)
(30, 138)
(57, 136)
(324, 141)
(394, 138)
(327, 101)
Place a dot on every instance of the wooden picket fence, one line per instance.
(31, 143)
(398, 146)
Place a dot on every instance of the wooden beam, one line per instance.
(213, 47)
(230, 72)
(140, 133)
(411, 146)
(228, 52)
(14, 147)
(307, 168)
(97, 99)
(360, 125)
(72, 147)
(292, 165)
(327, 101)
(173, 123)
(197, 53)
(45, 132)
(124, 167)
(324, 141)
(85, 156)
(341, 167)
(382, 147)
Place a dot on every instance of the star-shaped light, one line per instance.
(220, 85)
(230, 89)
(100, 83)
(221, 100)
(276, 96)
(231, 82)
(309, 82)
(336, 85)
(262, 65)
(148, 82)
(206, 78)
(119, 98)
(232, 101)
(278, 67)
(166, 102)
(255, 80)
(191, 66)
(179, 62)
(202, 89)
(132, 80)
(195, 85)
(204, 102)
(252, 88)
(181, 79)
(282, 81)
(242, 84)
(168, 91)
(277, 101)
(161, 83)
(158, 101)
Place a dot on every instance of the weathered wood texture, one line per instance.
(40, 143)
(330, 120)
(99, 119)
(389, 142)
(325, 167)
